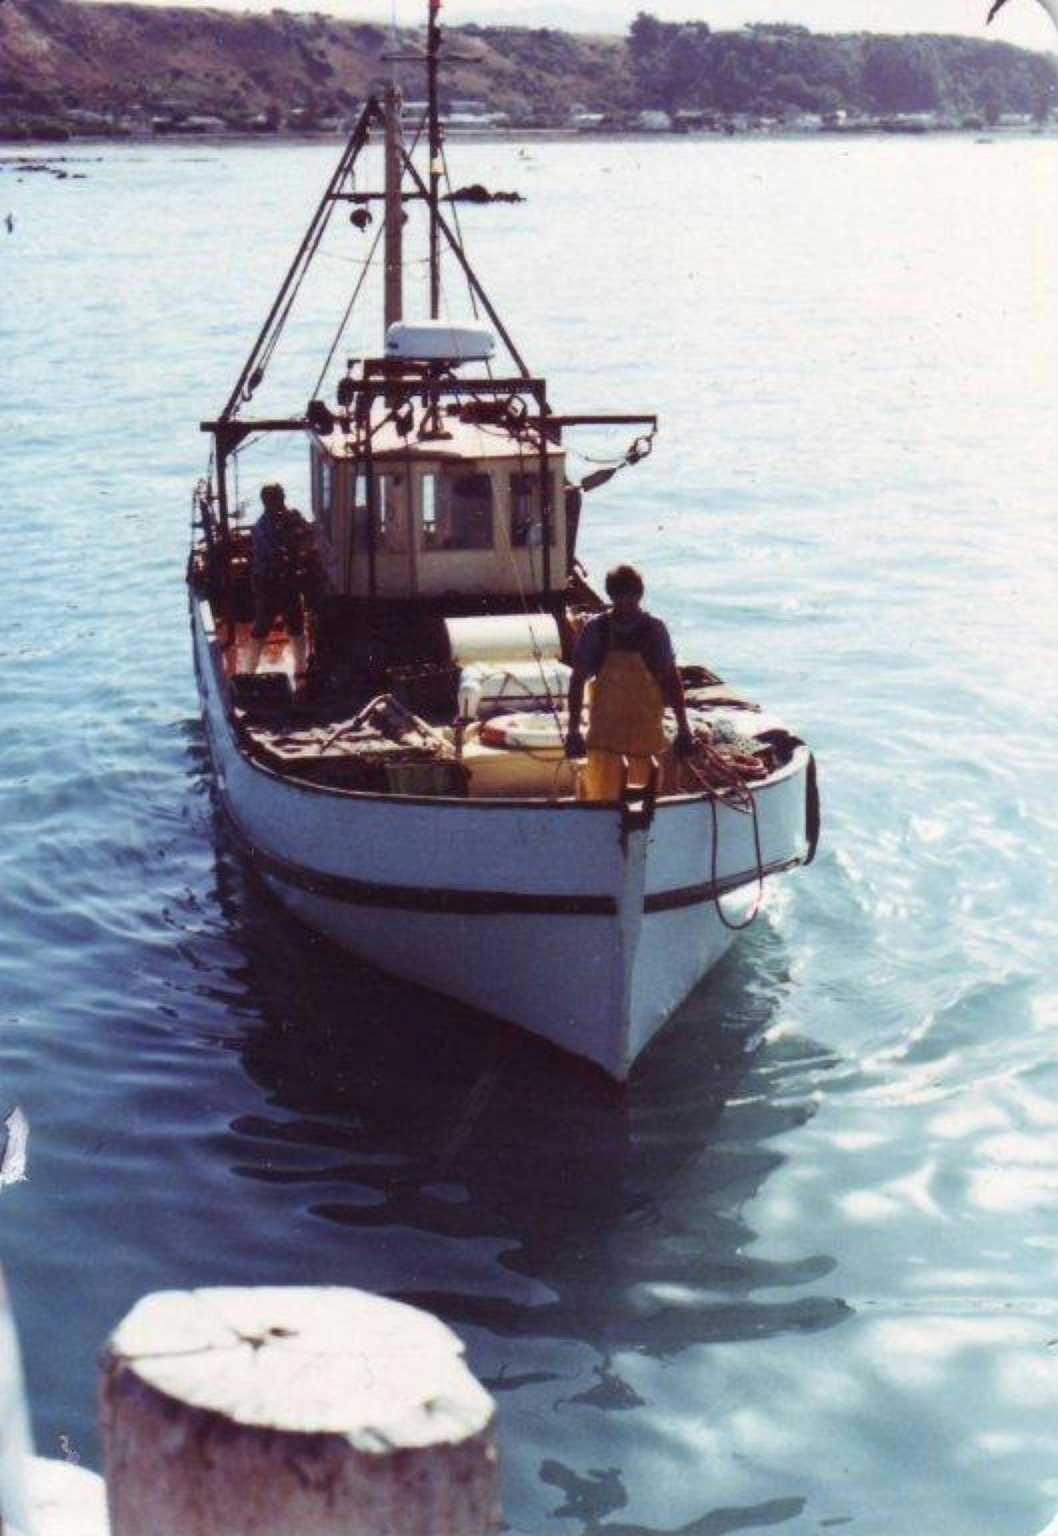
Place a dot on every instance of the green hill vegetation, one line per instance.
(772, 70)
(71, 64)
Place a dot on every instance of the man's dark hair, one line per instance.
(624, 580)
(273, 495)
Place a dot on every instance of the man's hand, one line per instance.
(575, 745)
(683, 746)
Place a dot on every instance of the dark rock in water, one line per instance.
(23, 165)
(476, 193)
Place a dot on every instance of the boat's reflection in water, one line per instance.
(536, 1209)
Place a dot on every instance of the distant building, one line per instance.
(654, 122)
(195, 122)
(483, 119)
(457, 114)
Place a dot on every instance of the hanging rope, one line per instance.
(759, 898)
(356, 261)
(640, 448)
(724, 779)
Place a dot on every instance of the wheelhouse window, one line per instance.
(457, 511)
(325, 494)
(527, 530)
(358, 526)
(391, 527)
(430, 537)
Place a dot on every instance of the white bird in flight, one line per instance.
(1050, 6)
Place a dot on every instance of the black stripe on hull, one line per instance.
(694, 895)
(417, 898)
(447, 902)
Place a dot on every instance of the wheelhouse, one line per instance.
(449, 508)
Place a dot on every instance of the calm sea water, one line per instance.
(804, 1278)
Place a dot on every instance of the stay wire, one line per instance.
(460, 242)
(268, 351)
(455, 221)
(361, 280)
(552, 701)
(348, 311)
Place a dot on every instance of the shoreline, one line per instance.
(58, 149)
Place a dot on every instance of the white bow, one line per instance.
(15, 1445)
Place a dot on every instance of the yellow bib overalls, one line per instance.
(626, 713)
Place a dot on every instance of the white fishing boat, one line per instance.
(396, 774)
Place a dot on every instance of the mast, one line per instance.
(394, 305)
(396, 386)
(433, 48)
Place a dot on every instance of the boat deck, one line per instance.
(314, 731)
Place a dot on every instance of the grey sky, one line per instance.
(1021, 21)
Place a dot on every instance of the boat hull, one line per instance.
(586, 924)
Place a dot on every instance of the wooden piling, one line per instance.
(321, 1411)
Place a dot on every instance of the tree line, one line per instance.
(773, 70)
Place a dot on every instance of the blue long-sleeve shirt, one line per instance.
(646, 634)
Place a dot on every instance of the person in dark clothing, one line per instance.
(280, 538)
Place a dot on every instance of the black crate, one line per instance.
(263, 695)
(429, 690)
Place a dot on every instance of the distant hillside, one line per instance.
(66, 53)
(771, 69)
(68, 58)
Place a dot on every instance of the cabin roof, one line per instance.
(467, 441)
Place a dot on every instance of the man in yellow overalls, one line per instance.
(629, 654)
